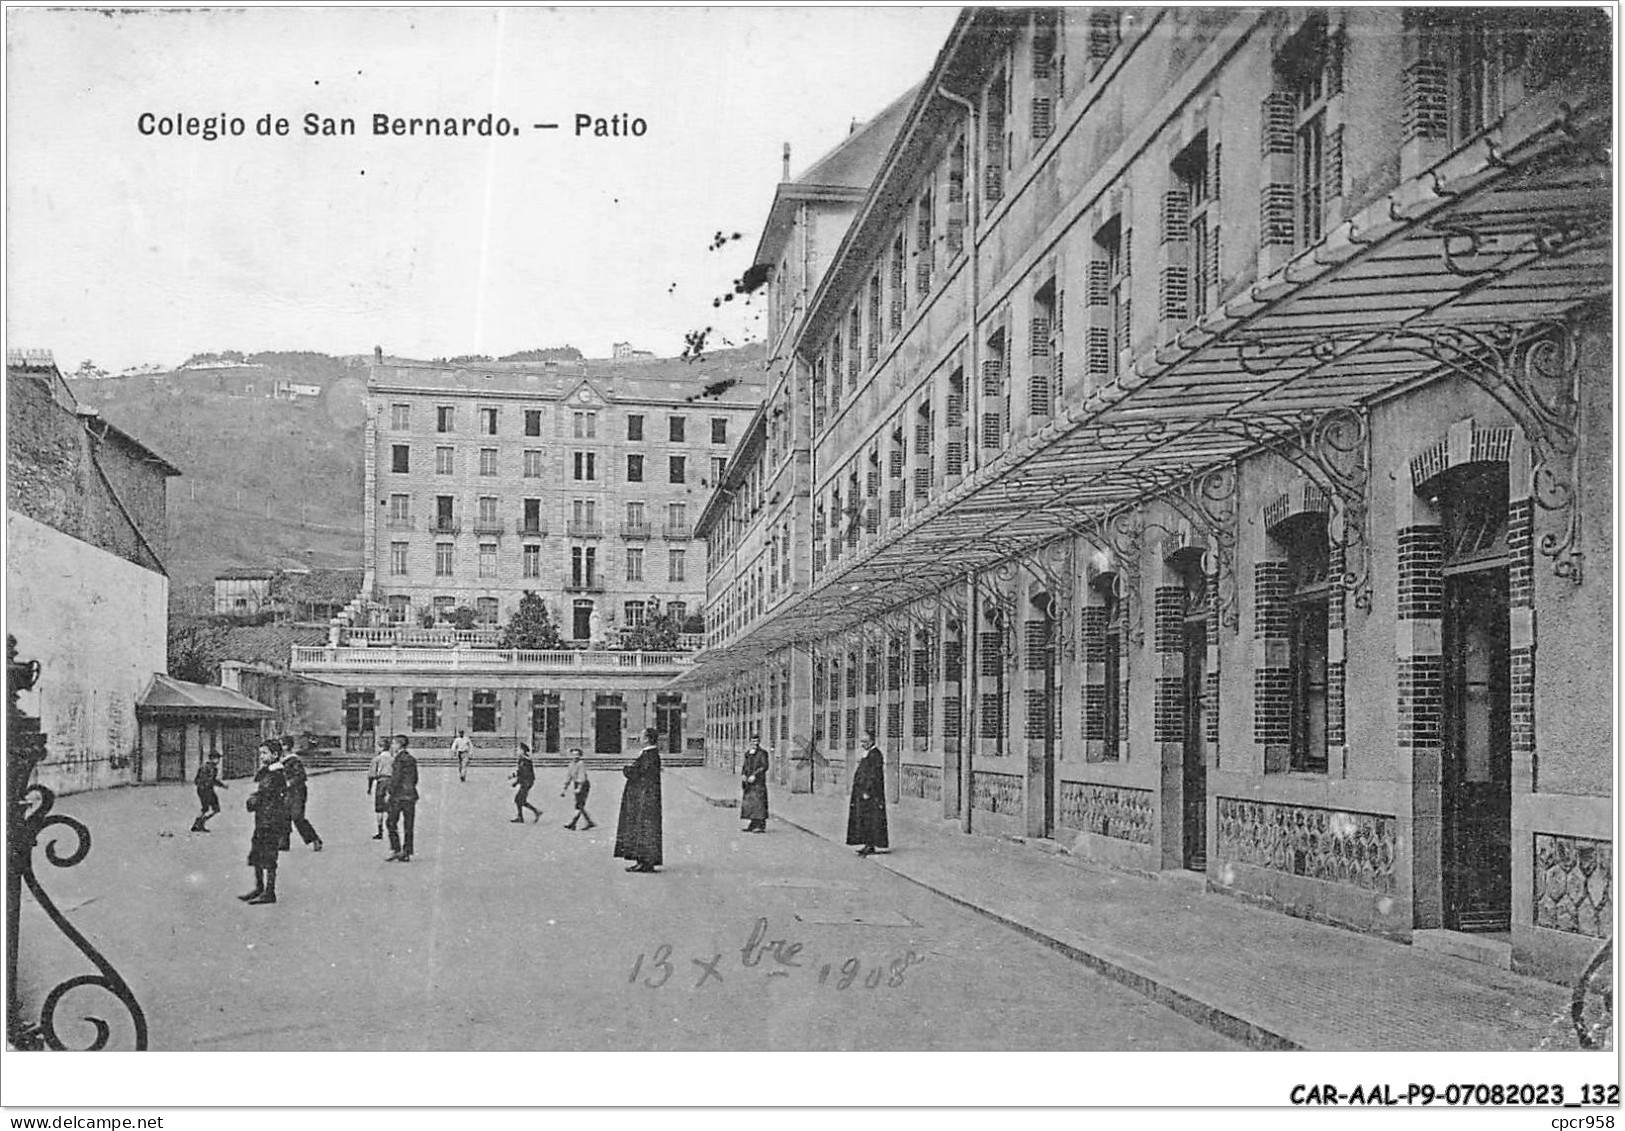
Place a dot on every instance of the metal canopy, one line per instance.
(1437, 277)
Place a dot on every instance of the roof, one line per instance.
(166, 696)
(842, 175)
(106, 430)
(1287, 365)
(36, 365)
(319, 586)
(854, 162)
(659, 380)
(268, 643)
(245, 575)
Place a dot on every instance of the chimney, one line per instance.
(377, 355)
(786, 175)
(853, 128)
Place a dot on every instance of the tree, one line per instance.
(195, 652)
(657, 633)
(463, 618)
(531, 628)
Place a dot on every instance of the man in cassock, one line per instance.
(753, 782)
(638, 835)
(866, 815)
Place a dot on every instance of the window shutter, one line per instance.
(1040, 337)
(1039, 395)
(1213, 260)
(992, 377)
(1278, 116)
(992, 429)
(1174, 293)
(1102, 35)
(1099, 285)
(954, 410)
(1334, 63)
(1043, 118)
(1044, 54)
(1176, 215)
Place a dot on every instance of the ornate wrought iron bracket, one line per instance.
(29, 816)
(1334, 451)
(1532, 371)
(1122, 534)
(1208, 503)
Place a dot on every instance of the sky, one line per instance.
(132, 248)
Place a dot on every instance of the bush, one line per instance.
(531, 628)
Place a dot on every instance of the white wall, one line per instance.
(98, 625)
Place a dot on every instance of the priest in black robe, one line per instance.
(866, 815)
(753, 783)
(638, 835)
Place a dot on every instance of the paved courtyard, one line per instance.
(502, 937)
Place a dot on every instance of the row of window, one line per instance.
(487, 610)
(427, 713)
(583, 513)
(584, 465)
(583, 562)
(584, 424)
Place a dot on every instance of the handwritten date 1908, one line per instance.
(654, 970)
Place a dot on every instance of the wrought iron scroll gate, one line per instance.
(29, 817)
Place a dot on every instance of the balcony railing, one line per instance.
(590, 585)
(417, 637)
(678, 532)
(446, 526)
(400, 522)
(490, 526)
(580, 529)
(483, 660)
(533, 530)
(634, 530)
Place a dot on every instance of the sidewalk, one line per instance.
(1257, 976)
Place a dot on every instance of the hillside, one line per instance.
(264, 482)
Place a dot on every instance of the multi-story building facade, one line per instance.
(1200, 402)
(577, 481)
(761, 509)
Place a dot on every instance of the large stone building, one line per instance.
(1197, 414)
(578, 481)
(86, 591)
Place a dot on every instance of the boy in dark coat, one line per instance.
(206, 781)
(403, 801)
(524, 776)
(866, 815)
(293, 768)
(638, 835)
(269, 804)
(753, 783)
